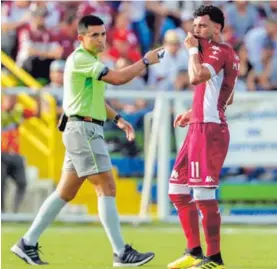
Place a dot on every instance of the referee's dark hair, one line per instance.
(87, 21)
(216, 15)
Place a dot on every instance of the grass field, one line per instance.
(86, 247)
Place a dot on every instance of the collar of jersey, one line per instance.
(85, 51)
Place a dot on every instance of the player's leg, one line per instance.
(124, 255)
(97, 168)
(4, 178)
(211, 220)
(27, 247)
(205, 169)
(18, 174)
(181, 198)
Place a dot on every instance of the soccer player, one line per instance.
(213, 70)
(86, 154)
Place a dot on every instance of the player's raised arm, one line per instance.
(197, 72)
(210, 66)
(124, 75)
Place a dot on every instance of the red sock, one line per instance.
(188, 215)
(211, 225)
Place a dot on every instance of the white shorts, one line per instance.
(86, 150)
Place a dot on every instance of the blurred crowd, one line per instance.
(36, 33)
(40, 35)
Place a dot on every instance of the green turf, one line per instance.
(85, 247)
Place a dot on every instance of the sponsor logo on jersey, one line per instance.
(213, 57)
(174, 175)
(209, 179)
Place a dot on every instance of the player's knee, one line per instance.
(106, 189)
(179, 195)
(67, 197)
(204, 194)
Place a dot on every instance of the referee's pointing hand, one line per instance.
(153, 55)
(127, 128)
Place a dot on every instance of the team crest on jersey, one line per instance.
(216, 48)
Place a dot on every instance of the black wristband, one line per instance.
(116, 118)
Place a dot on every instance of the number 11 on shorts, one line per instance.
(194, 169)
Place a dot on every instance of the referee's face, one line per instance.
(94, 40)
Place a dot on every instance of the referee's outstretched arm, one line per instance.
(124, 75)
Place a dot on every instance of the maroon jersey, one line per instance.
(66, 41)
(33, 38)
(97, 8)
(211, 97)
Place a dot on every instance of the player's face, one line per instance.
(204, 27)
(94, 40)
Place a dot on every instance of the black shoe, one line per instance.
(131, 257)
(29, 254)
(208, 263)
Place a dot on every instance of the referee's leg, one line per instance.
(124, 254)
(27, 247)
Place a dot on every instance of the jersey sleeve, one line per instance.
(213, 59)
(89, 66)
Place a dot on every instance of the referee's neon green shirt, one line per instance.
(83, 92)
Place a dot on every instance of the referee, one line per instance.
(86, 155)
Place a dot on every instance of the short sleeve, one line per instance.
(213, 59)
(88, 65)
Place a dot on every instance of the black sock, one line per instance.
(216, 258)
(197, 251)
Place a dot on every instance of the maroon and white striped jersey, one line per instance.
(211, 97)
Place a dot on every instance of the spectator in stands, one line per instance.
(176, 57)
(242, 16)
(55, 12)
(181, 82)
(55, 87)
(14, 15)
(101, 9)
(270, 9)
(186, 24)
(123, 47)
(123, 25)
(229, 36)
(36, 49)
(66, 34)
(247, 76)
(137, 11)
(261, 46)
(12, 162)
(268, 78)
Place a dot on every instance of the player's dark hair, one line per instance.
(87, 21)
(216, 15)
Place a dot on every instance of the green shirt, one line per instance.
(83, 92)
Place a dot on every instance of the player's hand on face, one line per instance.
(127, 128)
(182, 120)
(191, 41)
(152, 56)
